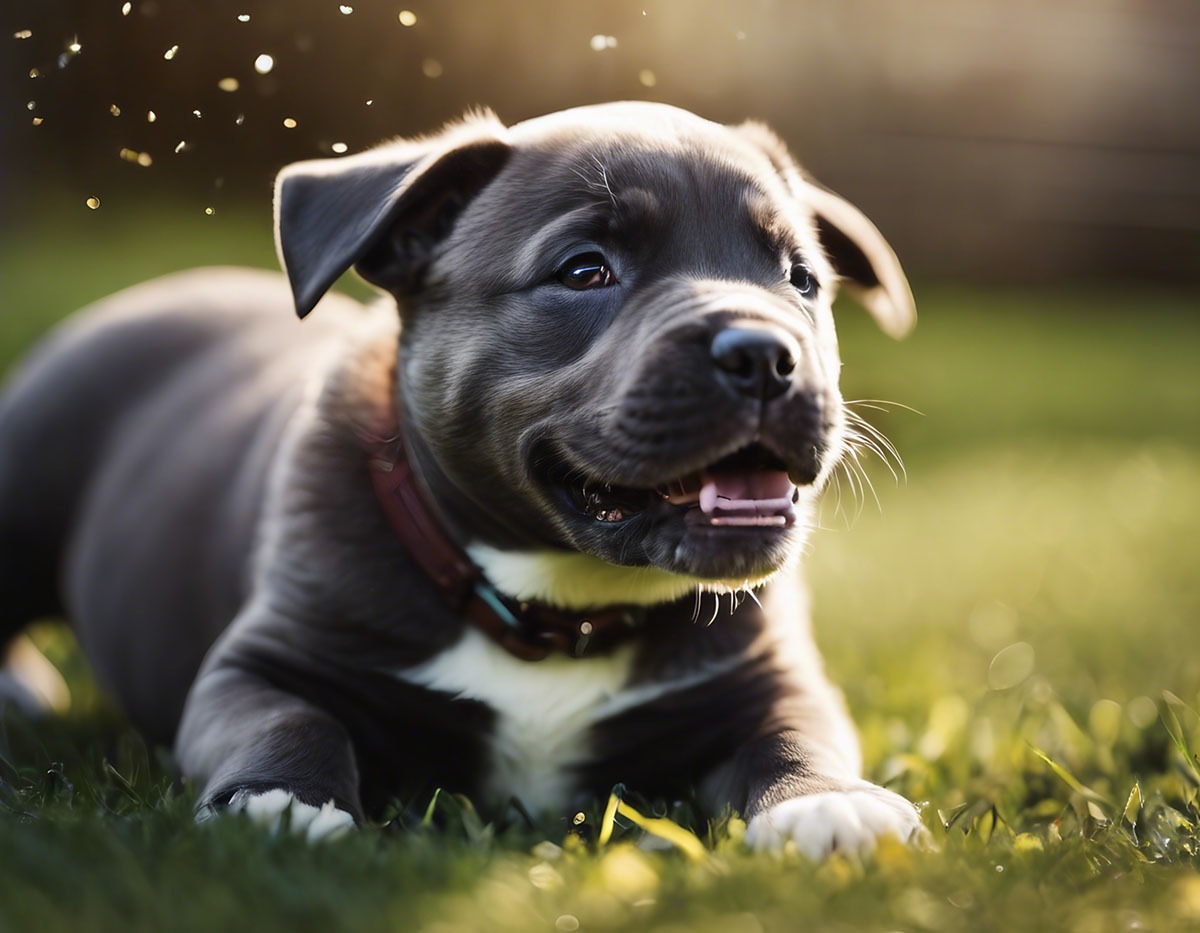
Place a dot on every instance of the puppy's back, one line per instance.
(117, 397)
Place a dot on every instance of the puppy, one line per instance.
(533, 535)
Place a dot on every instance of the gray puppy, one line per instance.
(534, 535)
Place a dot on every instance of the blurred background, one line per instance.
(992, 140)
(1036, 166)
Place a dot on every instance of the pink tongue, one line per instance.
(753, 498)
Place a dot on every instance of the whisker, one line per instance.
(864, 437)
(604, 180)
(853, 479)
(868, 485)
(716, 609)
(838, 506)
(863, 432)
(864, 442)
(883, 405)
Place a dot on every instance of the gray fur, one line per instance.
(182, 467)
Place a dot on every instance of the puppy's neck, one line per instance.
(571, 580)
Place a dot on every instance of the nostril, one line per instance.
(755, 361)
(736, 361)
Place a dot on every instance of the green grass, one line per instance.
(1016, 628)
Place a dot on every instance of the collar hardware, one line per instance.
(527, 630)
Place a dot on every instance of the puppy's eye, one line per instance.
(587, 270)
(803, 280)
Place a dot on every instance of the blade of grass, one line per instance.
(1070, 780)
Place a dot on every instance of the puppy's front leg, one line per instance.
(794, 790)
(796, 773)
(262, 750)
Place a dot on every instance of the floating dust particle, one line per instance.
(92, 203)
(371, 102)
(37, 121)
(228, 84)
(32, 105)
(579, 818)
(1142, 712)
(209, 211)
(431, 68)
(599, 43)
(243, 17)
(1011, 666)
(125, 8)
(151, 116)
(647, 78)
(171, 52)
(289, 123)
(35, 73)
(65, 58)
(345, 10)
(240, 119)
(114, 110)
(407, 18)
(545, 877)
(197, 114)
(138, 158)
(264, 63)
(180, 146)
(23, 34)
(339, 148)
(740, 36)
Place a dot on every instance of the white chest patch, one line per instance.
(543, 711)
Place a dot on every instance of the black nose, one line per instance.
(754, 361)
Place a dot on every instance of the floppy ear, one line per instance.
(868, 266)
(382, 211)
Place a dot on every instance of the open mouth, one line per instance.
(749, 488)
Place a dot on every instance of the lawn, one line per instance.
(1016, 624)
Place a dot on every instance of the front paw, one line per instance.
(278, 808)
(850, 821)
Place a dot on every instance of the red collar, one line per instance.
(529, 631)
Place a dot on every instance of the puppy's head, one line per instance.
(617, 335)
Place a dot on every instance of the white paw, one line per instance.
(849, 821)
(278, 807)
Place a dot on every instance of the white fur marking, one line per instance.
(277, 808)
(544, 709)
(850, 821)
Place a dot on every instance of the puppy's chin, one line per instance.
(579, 581)
(681, 542)
(724, 557)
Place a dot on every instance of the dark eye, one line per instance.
(587, 270)
(803, 280)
